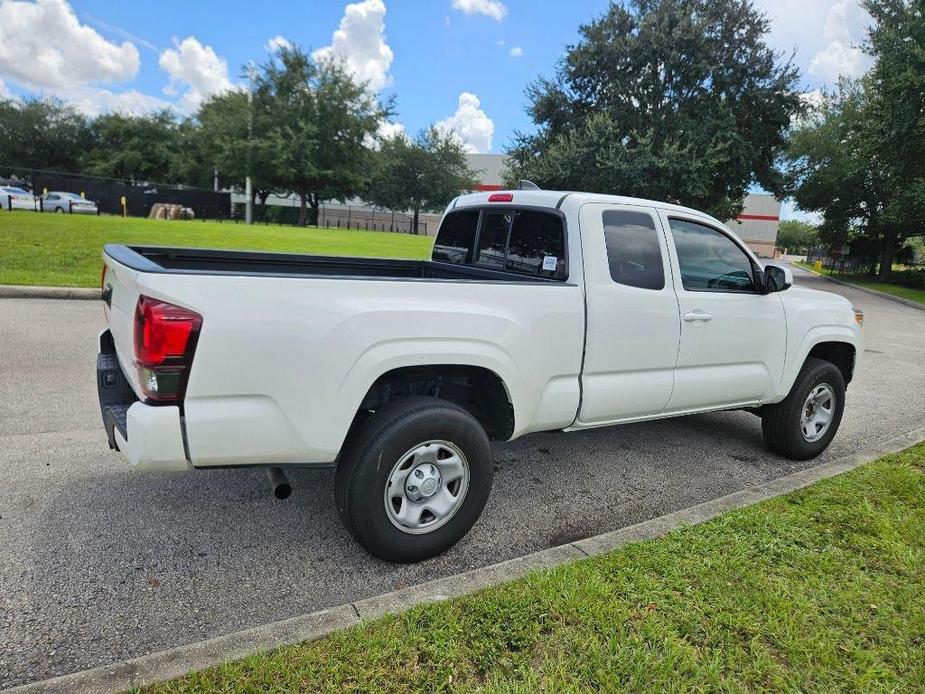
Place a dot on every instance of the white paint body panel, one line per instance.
(282, 363)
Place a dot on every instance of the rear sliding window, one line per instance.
(522, 241)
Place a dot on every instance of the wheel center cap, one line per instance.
(423, 482)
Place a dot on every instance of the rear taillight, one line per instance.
(165, 339)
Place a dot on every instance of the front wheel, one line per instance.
(413, 478)
(803, 424)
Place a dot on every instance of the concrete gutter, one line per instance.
(15, 291)
(157, 667)
(866, 290)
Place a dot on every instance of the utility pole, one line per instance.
(248, 187)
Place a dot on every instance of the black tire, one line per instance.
(59, 210)
(781, 423)
(375, 447)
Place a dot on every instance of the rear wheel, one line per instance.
(803, 424)
(413, 478)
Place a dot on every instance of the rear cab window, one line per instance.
(520, 241)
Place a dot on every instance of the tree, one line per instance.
(142, 148)
(420, 174)
(42, 134)
(861, 160)
(830, 169)
(896, 126)
(796, 236)
(223, 143)
(677, 100)
(317, 123)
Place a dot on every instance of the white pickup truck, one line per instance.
(538, 311)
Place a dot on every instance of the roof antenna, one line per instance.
(527, 185)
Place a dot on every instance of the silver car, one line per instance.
(15, 198)
(67, 202)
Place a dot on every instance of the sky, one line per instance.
(462, 64)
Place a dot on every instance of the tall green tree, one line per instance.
(420, 174)
(222, 141)
(796, 236)
(318, 121)
(896, 126)
(134, 147)
(678, 100)
(860, 160)
(830, 168)
(42, 134)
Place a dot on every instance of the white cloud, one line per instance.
(516, 52)
(44, 46)
(4, 92)
(490, 8)
(388, 129)
(821, 55)
(842, 56)
(360, 43)
(278, 42)
(470, 124)
(197, 68)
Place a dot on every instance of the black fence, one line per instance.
(108, 193)
(339, 216)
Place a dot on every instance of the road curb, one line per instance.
(866, 290)
(16, 291)
(164, 665)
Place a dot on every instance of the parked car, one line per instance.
(538, 311)
(13, 197)
(59, 202)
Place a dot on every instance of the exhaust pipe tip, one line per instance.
(280, 483)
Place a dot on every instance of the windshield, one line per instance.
(10, 190)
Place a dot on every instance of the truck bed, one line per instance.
(165, 260)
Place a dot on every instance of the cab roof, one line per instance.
(556, 198)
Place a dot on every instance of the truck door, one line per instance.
(733, 337)
(633, 327)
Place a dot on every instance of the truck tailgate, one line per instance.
(120, 296)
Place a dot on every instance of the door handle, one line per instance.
(698, 315)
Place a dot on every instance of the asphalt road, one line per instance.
(98, 563)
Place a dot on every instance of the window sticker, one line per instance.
(549, 262)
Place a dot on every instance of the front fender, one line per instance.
(815, 336)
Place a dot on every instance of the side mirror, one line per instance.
(777, 278)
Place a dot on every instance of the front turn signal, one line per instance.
(859, 317)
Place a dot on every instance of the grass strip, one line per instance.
(65, 250)
(909, 293)
(819, 590)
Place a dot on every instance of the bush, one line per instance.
(910, 278)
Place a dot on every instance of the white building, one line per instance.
(758, 222)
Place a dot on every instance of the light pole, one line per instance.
(248, 187)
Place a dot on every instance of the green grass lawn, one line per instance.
(65, 250)
(917, 295)
(820, 590)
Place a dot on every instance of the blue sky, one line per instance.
(462, 63)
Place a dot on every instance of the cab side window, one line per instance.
(456, 238)
(633, 252)
(709, 260)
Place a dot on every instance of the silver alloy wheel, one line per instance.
(818, 412)
(426, 487)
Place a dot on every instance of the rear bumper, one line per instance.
(150, 437)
